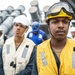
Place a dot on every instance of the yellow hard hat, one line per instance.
(61, 14)
(60, 9)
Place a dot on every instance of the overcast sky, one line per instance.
(15, 3)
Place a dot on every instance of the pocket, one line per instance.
(20, 66)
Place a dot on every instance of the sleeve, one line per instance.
(29, 67)
(1, 63)
(34, 70)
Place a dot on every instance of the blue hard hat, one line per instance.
(35, 26)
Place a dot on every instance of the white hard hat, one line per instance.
(21, 19)
(72, 29)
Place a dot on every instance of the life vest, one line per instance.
(15, 61)
(46, 63)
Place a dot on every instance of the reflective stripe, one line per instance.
(25, 51)
(73, 60)
(40, 36)
(8, 49)
(43, 58)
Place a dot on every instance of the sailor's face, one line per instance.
(18, 29)
(59, 28)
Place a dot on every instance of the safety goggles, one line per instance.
(56, 8)
(35, 27)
